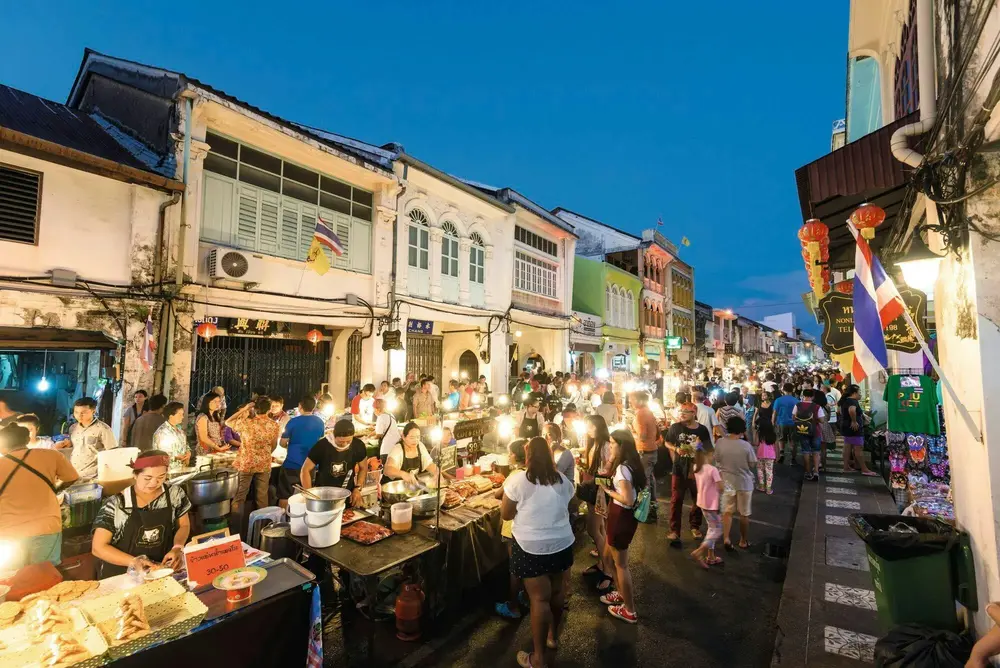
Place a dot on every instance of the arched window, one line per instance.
(419, 239)
(630, 315)
(608, 304)
(477, 259)
(616, 306)
(449, 250)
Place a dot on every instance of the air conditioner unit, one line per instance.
(235, 265)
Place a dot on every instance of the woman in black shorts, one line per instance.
(537, 500)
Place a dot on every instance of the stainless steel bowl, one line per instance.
(426, 504)
(330, 498)
(214, 486)
(397, 491)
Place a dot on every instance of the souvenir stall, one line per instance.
(916, 445)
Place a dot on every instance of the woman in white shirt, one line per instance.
(629, 478)
(537, 500)
(409, 458)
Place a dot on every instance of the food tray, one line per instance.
(20, 651)
(366, 542)
(170, 610)
(358, 514)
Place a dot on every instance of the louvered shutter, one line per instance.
(341, 226)
(269, 218)
(19, 197)
(290, 229)
(217, 209)
(361, 246)
(306, 230)
(246, 226)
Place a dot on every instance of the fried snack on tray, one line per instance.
(9, 611)
(496, 478)
(46, 618)
(365, 533)
(64, 650)
(131, 617)
(452, 499)
(464, 489)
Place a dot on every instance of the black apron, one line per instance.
(529, 427)
(21, 464)
(411, 464)
(146, 532)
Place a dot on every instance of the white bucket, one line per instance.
(324, 527)
(402, 517)
(297, 515)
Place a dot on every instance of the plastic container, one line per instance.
(297, 515)
(910, 560)
(402, 517)
(324, 527)
(81, 504)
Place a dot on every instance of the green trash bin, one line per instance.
(910, 559)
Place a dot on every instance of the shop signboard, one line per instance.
(675, 342)
(392, 340)
(473, 428)
(419, 326)
(254, 326)
(619, 362)
(838, 323)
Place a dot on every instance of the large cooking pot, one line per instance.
(397, 491)
(212, 486)
(330, 498)
(275, 539)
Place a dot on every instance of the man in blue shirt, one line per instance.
(784, 422)
(301, 433)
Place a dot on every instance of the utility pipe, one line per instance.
(171, 326)
(157, 277)
(899, 143)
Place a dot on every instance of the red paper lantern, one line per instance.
(846, 287)
(207, 330)
(314, 336)
(867, 217)
(813, 231)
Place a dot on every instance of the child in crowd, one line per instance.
(766, 440)
(512, 609)
(709, 482)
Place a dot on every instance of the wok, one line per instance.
(426, 504)
(212, 486)
(397, 491)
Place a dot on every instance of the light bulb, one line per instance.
(436, 434)
(43, 385)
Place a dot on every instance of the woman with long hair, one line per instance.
(596, 461)
(208, 425)
(629, 479)
(852, 428)
(537, 500)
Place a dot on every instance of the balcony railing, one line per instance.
(536, 303)
(650, 284)
(654, 332)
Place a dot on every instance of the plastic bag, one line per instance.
(914, 646)
(894, 537)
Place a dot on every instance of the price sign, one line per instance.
(208, 560)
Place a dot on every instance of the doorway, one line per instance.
(423, 355)
(468, 366)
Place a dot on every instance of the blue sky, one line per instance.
(696, 112)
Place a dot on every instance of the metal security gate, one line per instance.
(423, 356)
(354, 363)
(288, 367)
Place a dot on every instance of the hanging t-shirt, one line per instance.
(912, 402)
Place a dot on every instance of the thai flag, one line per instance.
(148, 356)
(325, 235)
(876, 304)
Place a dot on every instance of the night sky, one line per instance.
(698, 113)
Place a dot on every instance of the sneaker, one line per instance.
(612, 598)
(621, 613)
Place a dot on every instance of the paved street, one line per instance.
(689, 617)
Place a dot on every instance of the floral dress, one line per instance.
(214, 433)
(173, 441)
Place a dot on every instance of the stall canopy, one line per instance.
(38, 338)
(832, 187)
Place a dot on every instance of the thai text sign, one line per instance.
(838, 323)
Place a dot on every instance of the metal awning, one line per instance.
(832, 187)
(52, 338)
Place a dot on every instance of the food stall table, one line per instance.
(270, 629)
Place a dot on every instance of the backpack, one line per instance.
(805, 423)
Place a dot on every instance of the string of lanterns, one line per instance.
(815, 238)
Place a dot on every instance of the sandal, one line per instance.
(746, 546)
(697, 534)
(714, 561)
(593, 554)
(592, 570)
(605, 585)
(729, 547)
(524, 660)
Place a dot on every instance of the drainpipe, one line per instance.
(392, 275)
(899, 143)
(157, 277)
(171, 326)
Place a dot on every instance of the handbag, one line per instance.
(587, 491)
(641, 505)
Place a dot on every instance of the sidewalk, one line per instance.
(827, 615)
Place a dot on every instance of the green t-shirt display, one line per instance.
(912, 402)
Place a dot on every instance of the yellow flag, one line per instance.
(316, 259)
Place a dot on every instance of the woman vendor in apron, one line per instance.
(148, 519)
(409, 458)
(532, 420)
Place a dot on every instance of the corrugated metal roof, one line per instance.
(54, 122)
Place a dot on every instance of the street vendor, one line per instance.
(340, 459)
(363, 406)
(409, 458)
(148, 519)
(531, 422)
